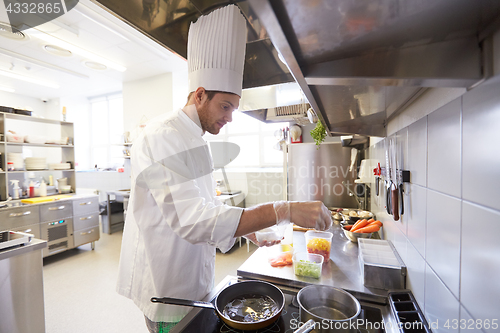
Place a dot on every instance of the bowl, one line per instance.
(64, 189)
(354, 236)
(307, 264)
(319, 242)
(353, 215)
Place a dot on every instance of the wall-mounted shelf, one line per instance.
(67, 152)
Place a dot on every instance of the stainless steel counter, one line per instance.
(342, 270)
(21, 288)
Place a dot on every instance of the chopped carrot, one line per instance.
(359, 225)
(348, 227)
(368, 229)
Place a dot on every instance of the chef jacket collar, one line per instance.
(190, 115)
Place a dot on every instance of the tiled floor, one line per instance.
(79, 288)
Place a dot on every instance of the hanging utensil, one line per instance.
(394, 180)
(388, 182)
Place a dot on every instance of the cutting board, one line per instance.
(45, 199)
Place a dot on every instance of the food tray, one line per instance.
(409, 317)
(14, 238)
(381, 266)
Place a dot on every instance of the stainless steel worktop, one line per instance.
(35, 244)
(342, 271)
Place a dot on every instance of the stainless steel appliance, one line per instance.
(317, 174)
(59, 235)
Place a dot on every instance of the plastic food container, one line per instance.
(65, 189)
(273, 233)
(319, 242)
(307, 264)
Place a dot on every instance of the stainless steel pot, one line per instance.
(327, 309)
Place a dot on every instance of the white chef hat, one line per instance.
(216, 51)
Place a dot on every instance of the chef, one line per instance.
(174, 221)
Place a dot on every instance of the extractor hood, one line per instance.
(358, 63)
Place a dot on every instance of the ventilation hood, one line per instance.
(358, 63)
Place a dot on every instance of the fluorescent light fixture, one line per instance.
(7, 89)
(102, 25)
(74, 49)
(29, 79)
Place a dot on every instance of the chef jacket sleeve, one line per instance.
(177, 175)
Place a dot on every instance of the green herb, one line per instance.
(318, 133)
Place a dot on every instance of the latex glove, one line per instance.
(253, 239)
(310, 214)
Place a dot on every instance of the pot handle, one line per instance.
(185, 302)
(306, 327)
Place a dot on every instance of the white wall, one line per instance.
(145, 99)
(448, 140)
(20, 102)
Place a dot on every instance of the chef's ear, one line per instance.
(199, 96)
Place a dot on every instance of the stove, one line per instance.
(207, 320)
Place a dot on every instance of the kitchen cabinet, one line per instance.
(58, 152)
(64, 224)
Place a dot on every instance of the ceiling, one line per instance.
(95, 30)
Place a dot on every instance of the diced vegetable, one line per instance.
(319, 246)
(308, 268)
(283, 259)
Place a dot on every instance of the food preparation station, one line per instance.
(342, 271)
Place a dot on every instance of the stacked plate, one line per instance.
(36, 163)
(17, 159)
(59, 166)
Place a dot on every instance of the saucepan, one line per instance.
(327, 309)
(247, 305)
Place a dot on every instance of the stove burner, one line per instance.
(273, 328)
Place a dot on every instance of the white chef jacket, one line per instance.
(174, 222)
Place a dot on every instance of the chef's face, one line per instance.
(216, 112)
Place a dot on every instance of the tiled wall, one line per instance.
(258, 186)
(449, 236)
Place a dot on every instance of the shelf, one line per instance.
(39, 145)
(45, 170)
(35, 119)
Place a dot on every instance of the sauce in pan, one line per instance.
(250, 308)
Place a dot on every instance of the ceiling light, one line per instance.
(95, 65)
(74, 49)
(7, 89)
(58, 51)
(29, 79)
(8, 31)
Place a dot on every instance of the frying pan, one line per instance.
(230, 293)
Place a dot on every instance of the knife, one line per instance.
(388, 179)
(394, 181)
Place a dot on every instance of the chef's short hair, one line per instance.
(210, 94)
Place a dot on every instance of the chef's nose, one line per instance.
(229, 117)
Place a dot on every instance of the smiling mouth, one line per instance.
(221, 124)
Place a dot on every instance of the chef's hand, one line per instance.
(311, 214)
(253, 239)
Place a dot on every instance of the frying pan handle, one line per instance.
(185, 302)
(307, 327)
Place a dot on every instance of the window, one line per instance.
(106, 127)
(257, 141)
